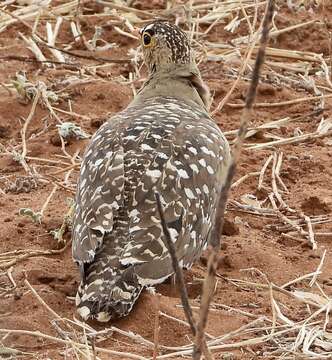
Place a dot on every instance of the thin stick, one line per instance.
(34, 292)
(180, 279)
(34, 60)
(27, 122)
(311, 234)
(319, 270)
(244, 66)
(182, 322)
(210, 281)
(47, 201)
(292, 140)
(282, 103)
(156, 326)
(274, 319)
(87, 56)
(178, 270)
(22, 255)
(70, 342)
(240, 344)
(277, 173)
(243, 178)
(11, 279)
(239, 330)
(61, 171)
(40, 39)
(275, 189)
(262, 173)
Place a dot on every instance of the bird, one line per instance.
(163, 142)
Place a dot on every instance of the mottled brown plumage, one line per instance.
(163, 141)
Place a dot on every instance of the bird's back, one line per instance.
(163, 145)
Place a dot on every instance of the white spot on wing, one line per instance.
(134, 213)
(193, 150)
(207, 151)
(84, 312)
(189, 193)
(147, 282)
(146, 147)
(202, 162)
(183, 174)
(103, 316)
(153, 173)
(174, 234)
(162, 155)
(98, 162)
(194, 167)
(210, 170)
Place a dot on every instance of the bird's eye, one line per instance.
(147, 39)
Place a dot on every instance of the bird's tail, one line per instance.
(108, 289)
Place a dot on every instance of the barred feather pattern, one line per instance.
(163, 144)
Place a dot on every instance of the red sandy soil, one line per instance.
(249, 241)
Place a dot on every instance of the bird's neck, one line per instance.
(179, 81)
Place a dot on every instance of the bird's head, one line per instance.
(164, 44)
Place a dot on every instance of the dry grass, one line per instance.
(278, 335)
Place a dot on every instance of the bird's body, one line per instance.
(164, 142)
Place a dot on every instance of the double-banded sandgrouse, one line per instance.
(165, 142)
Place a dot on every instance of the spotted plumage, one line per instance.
(163, 141)
(171, 44)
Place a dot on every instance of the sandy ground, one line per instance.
(252, 244)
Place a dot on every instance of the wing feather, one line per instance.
(100, 192)
(156, 147)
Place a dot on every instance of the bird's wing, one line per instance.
(159, 148)
(99, 193)
(185, 157)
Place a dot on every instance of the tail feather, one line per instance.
(108, 290)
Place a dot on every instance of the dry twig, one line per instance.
(177, 269)
(209, 283)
